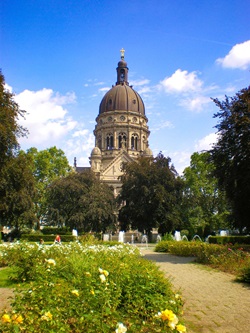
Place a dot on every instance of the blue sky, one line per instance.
(60, 57)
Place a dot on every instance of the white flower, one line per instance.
(121, 328)
(102, 277)
(51, 261)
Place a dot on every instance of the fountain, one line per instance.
(184, 237)
(144, 239)
(196, 237)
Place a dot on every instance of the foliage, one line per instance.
(10, 130)
(150, 194)
(46, 165)
(16, 183)
(46, 238)
(78, 288)
(55, 231)
(17, 190)
(204, 208)
(229, 240)
(231, 154)
(82, 202)
(228, 258)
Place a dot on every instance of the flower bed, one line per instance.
(228, 258)
(77, 288)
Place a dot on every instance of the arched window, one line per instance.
(110, 141)
(122, 140)
(134, 141)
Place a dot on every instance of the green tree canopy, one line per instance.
(204, 205)
(17, 191)
(16, 180)
(231, 154)
(46, 166)
(150, 194)
(81, 201)
(10, 130)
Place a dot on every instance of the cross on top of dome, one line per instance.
(122, 53)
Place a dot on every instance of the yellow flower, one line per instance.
(92, 292)
(47, 316)
(167, 315)
(103, 271)
(181, 328)
(75, 292)
(6, 318)
(87, 274)
(172, 323)
(17, 319)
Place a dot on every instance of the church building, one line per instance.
(121, 130)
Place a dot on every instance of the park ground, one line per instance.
(213, 301)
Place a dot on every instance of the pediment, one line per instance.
(113, 170)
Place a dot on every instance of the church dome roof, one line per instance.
(96, 152)
(122, 97)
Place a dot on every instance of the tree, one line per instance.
(10, 130)
(150, 195)
(231, 154)
(46, 165)
(17, 191)
(82, 202)
(16, 180)
(204, 207)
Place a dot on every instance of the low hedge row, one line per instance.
(47, 238)
(229, 240)
(55, 231)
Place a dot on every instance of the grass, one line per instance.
(5, 281)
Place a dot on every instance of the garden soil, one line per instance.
(213, 301)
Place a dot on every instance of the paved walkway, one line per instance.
(214, 302)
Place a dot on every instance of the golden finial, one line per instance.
(122, 53)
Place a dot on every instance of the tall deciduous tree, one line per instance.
(150, 194)
(204, 207)
(16, 180)
(80, 201)
(46, 165)
(17, 191)
(231, 154)
(10, 130)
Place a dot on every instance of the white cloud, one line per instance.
(162, 125)
(46, 119)
(7, 87)
(196, 103)
(207, 142)
(181, 82)
(238, 57)
(104, 89)
(140, 82)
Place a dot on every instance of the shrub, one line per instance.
(56, 231)
(229, 239)
(46, 238)
(76, 288)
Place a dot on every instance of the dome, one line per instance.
(96, 151)
(147, 152)
(122, 63)
(122, 97)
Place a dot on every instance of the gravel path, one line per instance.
(214, 302)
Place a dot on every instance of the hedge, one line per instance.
(56, 231)
(229, 239)
(47, 238)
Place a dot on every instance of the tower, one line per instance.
(121, 130)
